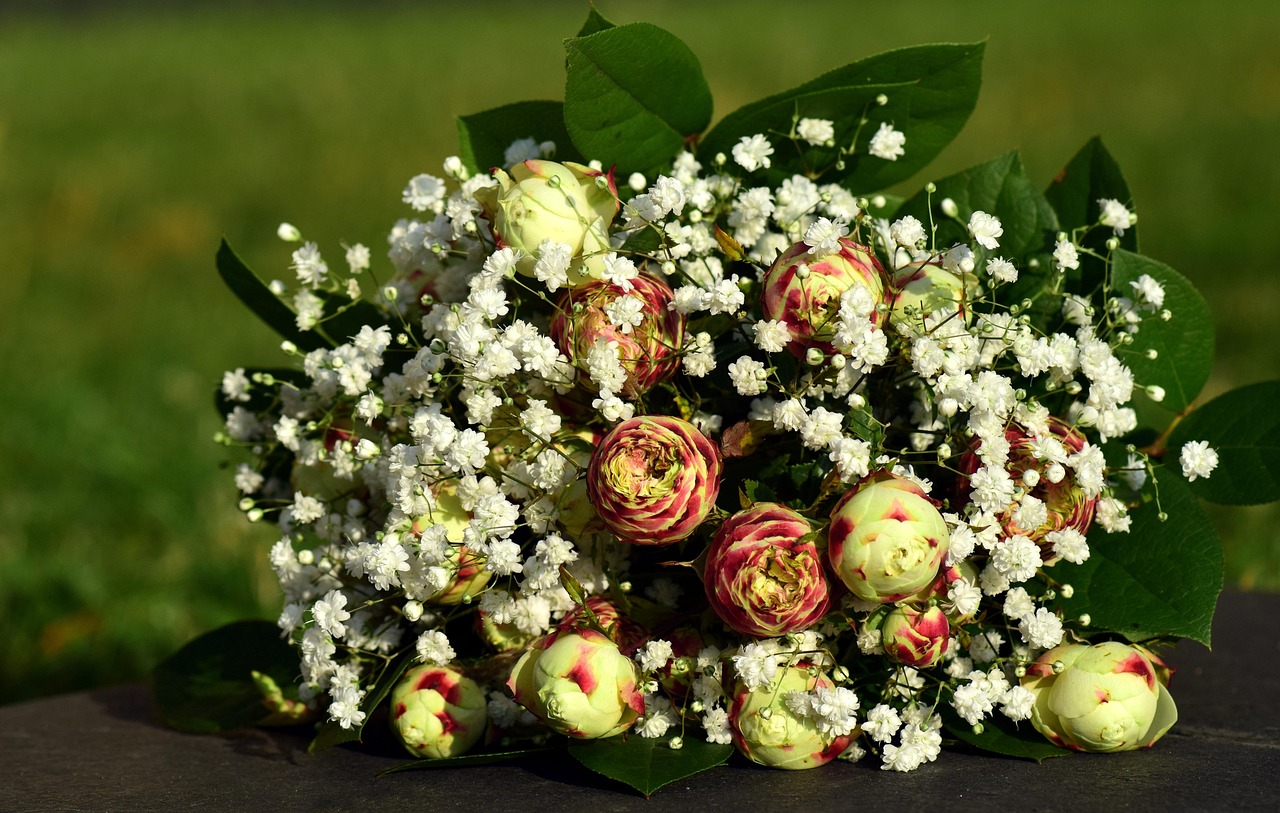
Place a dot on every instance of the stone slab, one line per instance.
(104, 750)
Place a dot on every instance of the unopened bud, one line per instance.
(949, 208)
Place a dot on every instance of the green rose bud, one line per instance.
(438, 712)
(1108, 697)
(767, 730)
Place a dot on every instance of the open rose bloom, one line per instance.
(653, 479)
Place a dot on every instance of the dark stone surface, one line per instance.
(104, 751)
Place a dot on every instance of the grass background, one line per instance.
(132, 137)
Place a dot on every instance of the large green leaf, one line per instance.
(634, 95)
(595, 22)
(933, 89)
(255, 294)
(998, 187)
(1161, 578)
(483, 138)
(1091, 175)
(1243, 426)
(1001, 736)
(207, 686)
(1183, 345)
(647, 764)
(331, 733)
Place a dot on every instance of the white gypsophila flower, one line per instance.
(433, 647)
(985, 229)
(625, 312)
(309, 266)
(1017, 702)
(1115, 215)
(619, 271)
(882, 723)
(538, 420)
(235, 385)
(1112, 516)
(658, 718)
(552, 266)
(1149, 291)
(816, 131)
(425, 192)
(716, 725)
(1197, 459)
(752, 152)
(1016, 558)
(887, 143)
(755, 665)
(358, 258)
(1042, 628)
(772, 335)
(700, 356)
(725, 296)
(1018, 604)
(654, 655)
(668, 195)
(344, 706)
(308, 309)
(1001, 270)
(330, 613)
(965, 596)
(1065, 255)
(821, 428)
(852, 458)
(749, 377)
(835, 710)
(823, 236)
(907, 231)
(1069, 544)
(247, 480)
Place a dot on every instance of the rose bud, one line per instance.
(1106, 697)
(653, 479)
(923, 287)
(887, 540)
(764, 575)
(804, 291)
(579, 683)
(913, 637)
(768, 731)
(438, 712)
(543, 200)
(649, 351)
(1065, 502)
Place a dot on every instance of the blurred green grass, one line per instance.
(130, 140)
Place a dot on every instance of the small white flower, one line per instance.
(816, 131)
(1001, 270)
(907, 231)
(752, 152)
(1115, 215)
(887, 143)
(433, 648)
(985, 229)
(1198, 459)
(1066, 256)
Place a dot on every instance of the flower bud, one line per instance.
(650, 351)
(1106, 697)
(809, 305)
(922, 287)
(438, 712)
(887, 540)
(543, 200)
(766, 730)
(764, 575)
(914, 637)
(578, 683)
(653, 479)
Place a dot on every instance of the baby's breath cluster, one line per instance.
(720, 453)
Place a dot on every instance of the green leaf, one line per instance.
(634, 94)
(254, 293)
(1161, 578)
(1074, 194)
(1183, 345)
(931, 91)
(487, 758)
(207, 686)
(998, 187)
(594, 23)
(1243, 426)
(647, 764)
(483, 138)
(1000, 735)
(330, 733)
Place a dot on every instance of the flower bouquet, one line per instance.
(653, 442)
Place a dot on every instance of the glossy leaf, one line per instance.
(1183, 345)
(634, 94)
(1243, 427)
(255, 294)
(648, 764)
(931, 91)
(207, 686)
(1161, 578)
(594, 23)
(483, 138)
